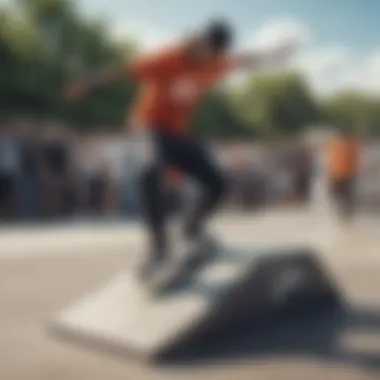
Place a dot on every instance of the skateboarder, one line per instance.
(173, 81)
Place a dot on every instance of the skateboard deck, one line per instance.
(179, 271)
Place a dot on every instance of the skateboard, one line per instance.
(179, 271)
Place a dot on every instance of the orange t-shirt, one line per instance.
(172, 86)
(343, 158)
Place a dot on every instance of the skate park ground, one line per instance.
(43, 269)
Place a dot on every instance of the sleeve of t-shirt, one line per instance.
(154, 66)
(223, 67)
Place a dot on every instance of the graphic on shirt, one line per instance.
(183, 90)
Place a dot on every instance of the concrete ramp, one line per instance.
(237, 289)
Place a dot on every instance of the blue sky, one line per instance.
(341, 44)
(353, 23)
(340, 38)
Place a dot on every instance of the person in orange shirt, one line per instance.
(173, 82)
(343, 161)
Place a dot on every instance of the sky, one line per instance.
(339, 39)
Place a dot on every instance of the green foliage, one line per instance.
(215, 117)
(46, 43)
(353, 111)
(276, 104)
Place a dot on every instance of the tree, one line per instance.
(22, 66)
(352, 110)
(46, 43)
(276, 103)
(216, 118)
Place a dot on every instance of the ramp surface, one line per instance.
(236, 288)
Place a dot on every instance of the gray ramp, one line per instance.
(236, 288)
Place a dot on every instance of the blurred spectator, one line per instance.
(28, 184)
(282, 179)
(95, 169)
(256, 177)
(9, 171)
(110, 191)
(56, 169)
(113, 154)
(129, 180)
(303, 175)
(343, 163)
(368, 179)
(53, 173)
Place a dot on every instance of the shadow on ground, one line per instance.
(316, 337)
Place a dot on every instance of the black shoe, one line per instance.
(200, 249)
(151, 265)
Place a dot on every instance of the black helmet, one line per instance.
(219, 35)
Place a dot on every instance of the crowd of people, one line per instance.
(50, 172)
(44, 175)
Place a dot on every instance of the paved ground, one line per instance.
(42, 271)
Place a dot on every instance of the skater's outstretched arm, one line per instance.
(253, 60)
(150, 66)
(274, 56)
(81, 87)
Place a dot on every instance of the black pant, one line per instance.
(7, 186)
(188, 156)
(344, 194)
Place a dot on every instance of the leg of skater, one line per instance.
(154, 210)
(194, 161)
(201, 167)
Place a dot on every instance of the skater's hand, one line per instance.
(284, 51)
(274, 56)
(76, 91)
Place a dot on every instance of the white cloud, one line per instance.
(366, 76)
(146, 36)
(325, 68)
(276, 31)
(328, 67)
(322, 60)
(337, 68)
